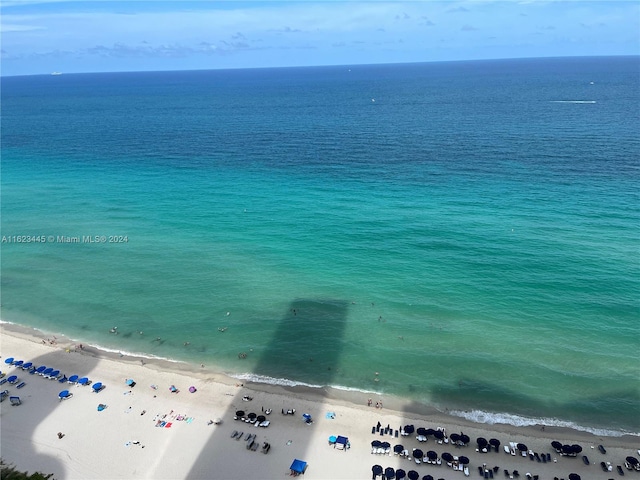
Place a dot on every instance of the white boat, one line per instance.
(56, 73)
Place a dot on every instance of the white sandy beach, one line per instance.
(104, 444)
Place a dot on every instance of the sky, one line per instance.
(42, 36)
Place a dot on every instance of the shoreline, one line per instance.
(346, 395)
(122, 441)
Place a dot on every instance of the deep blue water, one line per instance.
(468, 230)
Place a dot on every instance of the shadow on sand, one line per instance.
(35, 408)
(306, 344)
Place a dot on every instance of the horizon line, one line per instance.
(59, 73)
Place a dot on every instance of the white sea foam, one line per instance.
(283, 382)
(478, 416)
(126, 353)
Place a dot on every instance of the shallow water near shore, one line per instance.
(468, 239)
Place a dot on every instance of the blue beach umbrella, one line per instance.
(377, 470)
(55, 373)
(64, 394)
(18, 363)
(27, 365)
(8, 361)
(83, 381)
(332, 439)
(389, 473)
(47, 371)
(400, 474)
(97, 386)
(73, 378)
(41, 368)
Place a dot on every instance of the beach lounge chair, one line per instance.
(3, 381)
(239, 436)
(234, 434)
(255, 446)
(15, 401)
(266, 447)
(22, 384)
(4, 394)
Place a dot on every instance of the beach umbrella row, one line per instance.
(566, 449)
(390, 473)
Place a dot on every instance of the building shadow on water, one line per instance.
(307, 343)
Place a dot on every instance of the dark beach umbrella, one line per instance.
(427, 477)
(413, 475)
(454, 437)
(431, 455)
(447, 457)
(407, 429)
(240, 413)
(431, 431)
(422, 431)
(482, 442)
(463, 460)
(377, 470)
(385, 445)
(522, 447)
(261, 418)
(417, 453)
(438, 434)
(576, 448)
(389, 472)
(495, 442)
(632, 460)
(398, 448)
(252, 416)
(400, 474)
(465, 438)
(566, 449)
(376, 443)
(557, 446)
(574, 476)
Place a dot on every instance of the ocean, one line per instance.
(461, 234)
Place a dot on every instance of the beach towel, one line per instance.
(168, 425)
(330, 415)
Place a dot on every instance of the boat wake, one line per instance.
(573, 101)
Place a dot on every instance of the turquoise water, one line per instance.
(467, 230)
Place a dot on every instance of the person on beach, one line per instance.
(60, 434)
(369, 403)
